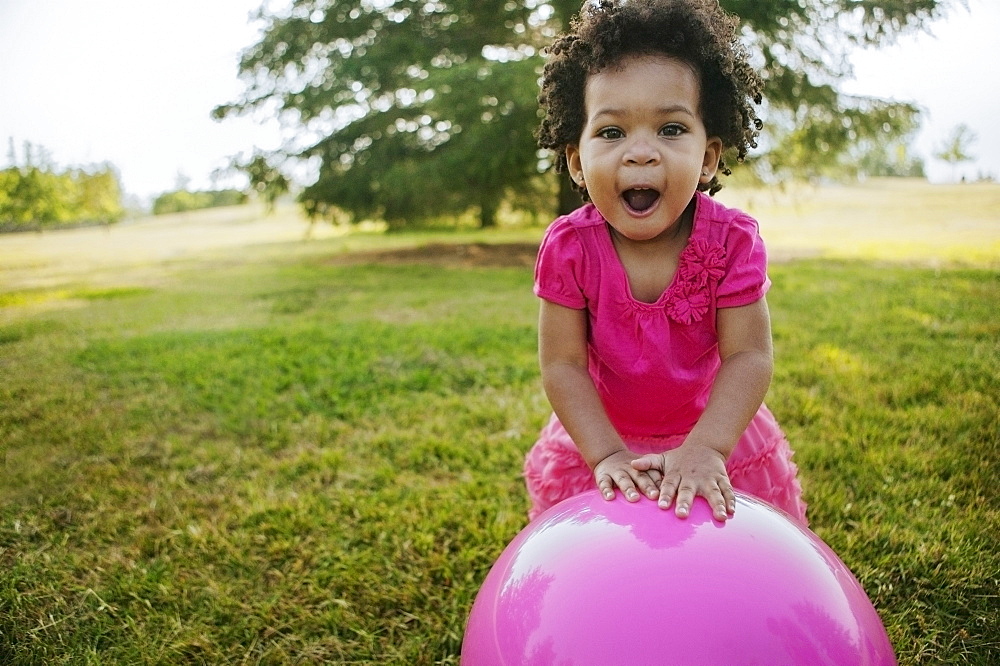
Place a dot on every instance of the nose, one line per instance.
(641, 152)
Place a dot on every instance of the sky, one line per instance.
(951, 74)
(133, 83)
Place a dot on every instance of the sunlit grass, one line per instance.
(287, 454)
(883, 219)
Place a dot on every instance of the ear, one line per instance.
(710, 163)
(574, 164)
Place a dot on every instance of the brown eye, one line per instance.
(673, 129)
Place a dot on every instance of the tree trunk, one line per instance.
(488, 206)
(487, 217)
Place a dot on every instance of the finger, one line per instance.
(650, 461)
(728, 495)
(606, 486)
(716, 500)
(627, 486)
(646, 484)
(668, 488)
(685, 498)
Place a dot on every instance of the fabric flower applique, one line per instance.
(701, 265)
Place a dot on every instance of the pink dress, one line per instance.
(654, 363)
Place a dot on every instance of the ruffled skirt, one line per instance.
(761, 465)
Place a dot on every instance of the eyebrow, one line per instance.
(617, 112)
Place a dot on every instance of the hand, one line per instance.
(617, 470)
(688, 471)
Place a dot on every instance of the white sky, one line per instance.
(133, 82)
(953, 76)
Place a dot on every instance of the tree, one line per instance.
(804, 46)
(955, 150)
(179, 201)
(410, 109)
(38, 195)
(893, 159)
(854, 139)
(269, 183)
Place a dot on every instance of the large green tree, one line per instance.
(410, 109)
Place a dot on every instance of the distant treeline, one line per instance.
(182, 200)
(35, 194)
(40, 197)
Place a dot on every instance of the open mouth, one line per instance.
(640, 199)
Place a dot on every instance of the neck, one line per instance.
(673, 237)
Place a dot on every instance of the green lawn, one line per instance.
(308, 452)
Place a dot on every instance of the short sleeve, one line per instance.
(559, 266)
(745, 280)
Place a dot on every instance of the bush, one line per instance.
(33, 197)
(183, 200)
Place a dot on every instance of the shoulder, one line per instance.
(734, 232)
(733, 237)
(572, 234)
(717, 222)
(581, 220)
(565, 258)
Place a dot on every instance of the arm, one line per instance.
(562, 350)
(698, 466)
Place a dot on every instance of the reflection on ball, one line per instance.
(596, 582)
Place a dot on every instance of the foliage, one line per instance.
(182, 200)
(955, 149)
(269, 183)
(306, 455)
(812, 130)
(869, 139)
(893, 159)
(41, 196)
(407, 110)
(412, 109)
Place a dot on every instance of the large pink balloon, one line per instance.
(597, 582)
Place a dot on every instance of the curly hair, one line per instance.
(696, 32)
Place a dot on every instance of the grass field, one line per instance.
(225, 444)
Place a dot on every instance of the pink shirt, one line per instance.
(653, 363)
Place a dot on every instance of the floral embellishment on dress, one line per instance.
(701, 265)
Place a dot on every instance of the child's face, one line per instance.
(644, 147)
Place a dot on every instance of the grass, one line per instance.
(883, 219)
(303, 452)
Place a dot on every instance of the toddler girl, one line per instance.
(654, 334)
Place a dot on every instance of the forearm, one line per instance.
(738, 391)
(574, 399)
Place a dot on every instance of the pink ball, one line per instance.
(597, 582)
